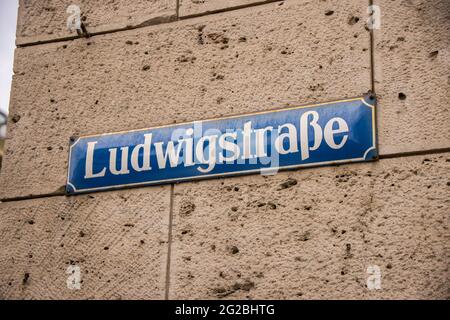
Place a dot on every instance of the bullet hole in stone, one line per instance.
(81, 234)
(219, 100)
(448, 183)
(236, 189)
(213, 247)
(247, 285)
(392, 48)
(355, 36)
(184, 59)
(49, 148)
(200, 40)
(15, 118)
(30, 256)
(142, 241)
(62, 245)
(389, 266)
(281, 3)
(106, 248)
(64, 46)
(89, 43)
(234, 250)
(261, 204)
(434, 54)
(242, 39)
(129, 42)
(329, 12)
(146, 52)
(343, 231)
(218, 38)
(343, 272)
(234, 209)
(186, 208)
(320, 66)
(300, 294)
(26, 278)
(402, 96)
(307, 208)
(348, 247)
(52, 100)
(353, 20)
(9, 283)
(146, 67)
(316, 87)
(96, 102)
(288, 184)
(31, 222)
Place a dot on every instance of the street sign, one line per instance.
(263, 142)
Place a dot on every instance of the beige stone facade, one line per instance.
(304, 234)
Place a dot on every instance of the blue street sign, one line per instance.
(263, 142)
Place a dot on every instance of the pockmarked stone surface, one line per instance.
(112, 245)
(316, 234)
(197, 7)
(200, 68)
(47, 20)
(412, 75)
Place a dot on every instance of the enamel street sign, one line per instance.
(263, 142)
